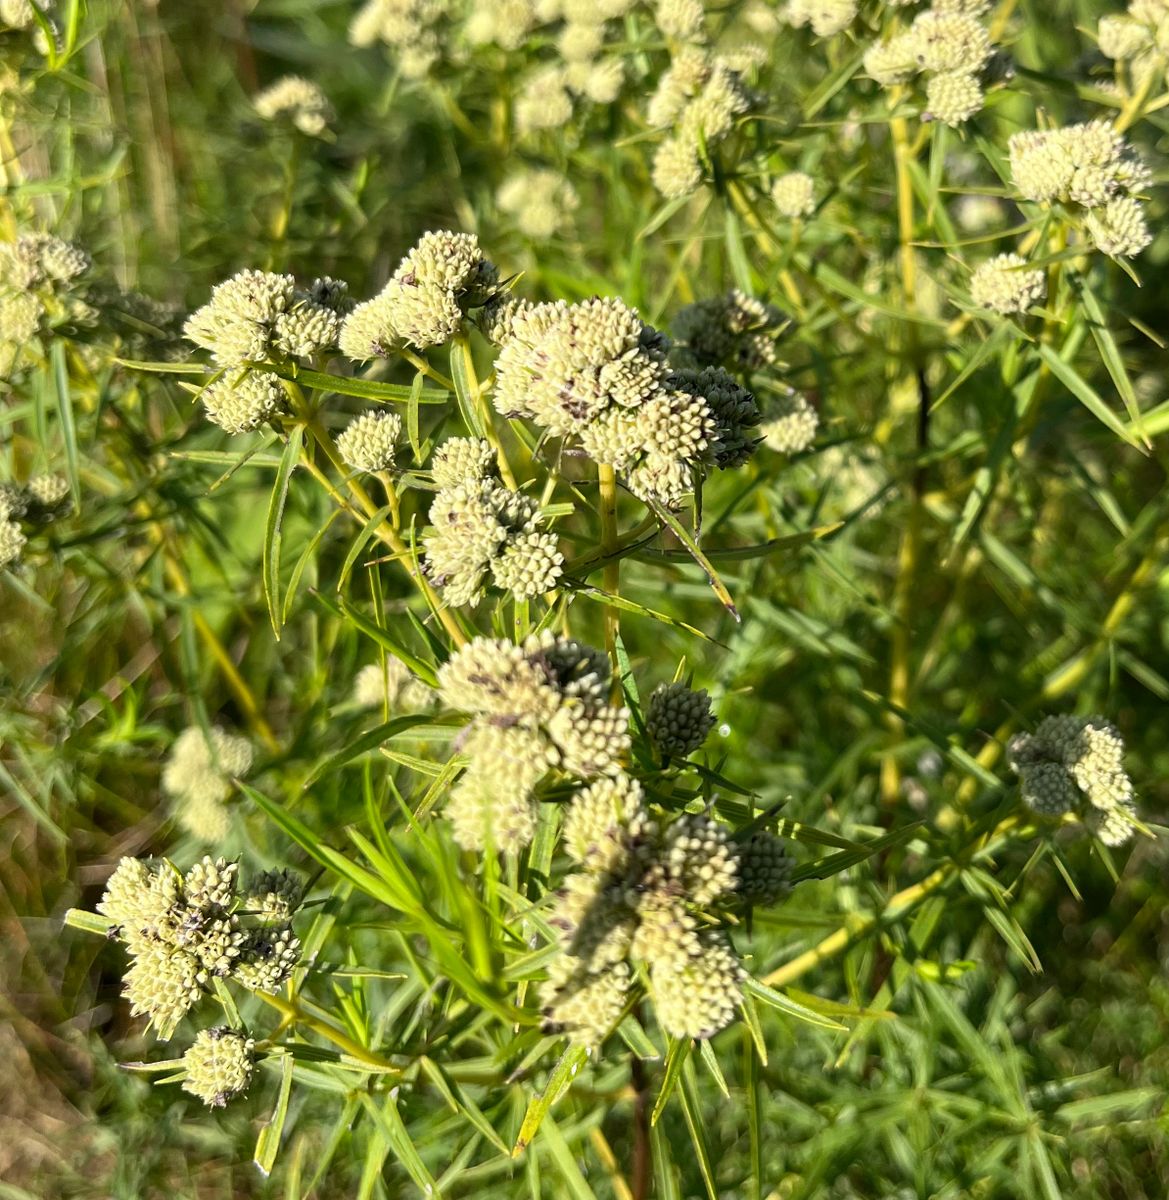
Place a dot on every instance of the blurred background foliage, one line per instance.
(987, 1065)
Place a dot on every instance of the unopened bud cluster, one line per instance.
(734, 330)
(678, 719)
(183, 931)
(1074, 765)
(198, 777)
(645, 897)
(44, 499)
(535, 708)
(481, 530)
(1138, 37)
(950, 46)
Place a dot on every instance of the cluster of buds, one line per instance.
(1073, 766)
(596, 372)
(45, 498)
(734, 330)
(198, 777)
(481, 530)
(698, 99)
(1138, 37)
(644, 904)
(792, 427)
(950, 46)
(1093, 172)
(183, 931)
(535, 708)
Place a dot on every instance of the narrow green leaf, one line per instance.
(784, 1004)
(1086, 394)
(676, 1055)
(558, 1083)
(273, 527)
(684, 535)
(268, 1143)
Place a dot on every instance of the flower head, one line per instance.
(218, 1065)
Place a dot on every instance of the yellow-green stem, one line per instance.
(607, 478)
(292, 1012)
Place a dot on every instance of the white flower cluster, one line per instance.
(44, 499)
(698, 99)
(1138, 37)
(596, 372)
(950, 45)
(826, 17)
(423, 305)
(793, 429)
(259, 316)
(1076, 765)
(643, 896)
(1091, 168)
(369, 442)
(794, 195)
(297, 101)
(412, 28)
(537, 707)
(198, 777)
(390, 685)
(43, 285)
(540, 202)
(480, 529)
(1006, 284)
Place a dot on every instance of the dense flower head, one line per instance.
(645, 896)
(697, 99)
(826, 17)
(536, 707)
(181, 931)
(678, 719)
(243, 401)
(198, 777)
(1075, 765)
(732, 330)
(794, 195)
(764, 868)
(792, 428)
(390, 684)
(506, 23)
(462, 460)
(952, 97)
(951, 46)
(540, 202)
(1086, 164)
(257, 316)
(596, 371)
(544, 102)
(424, 303)
(12, 542)
(1119, 228)
(218, 1065)
(369, 441)
(297, 100)
(410, 27)
(698, 997)
(1005, 284)
(681, 20)
(1138, 37)
(481, 529)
